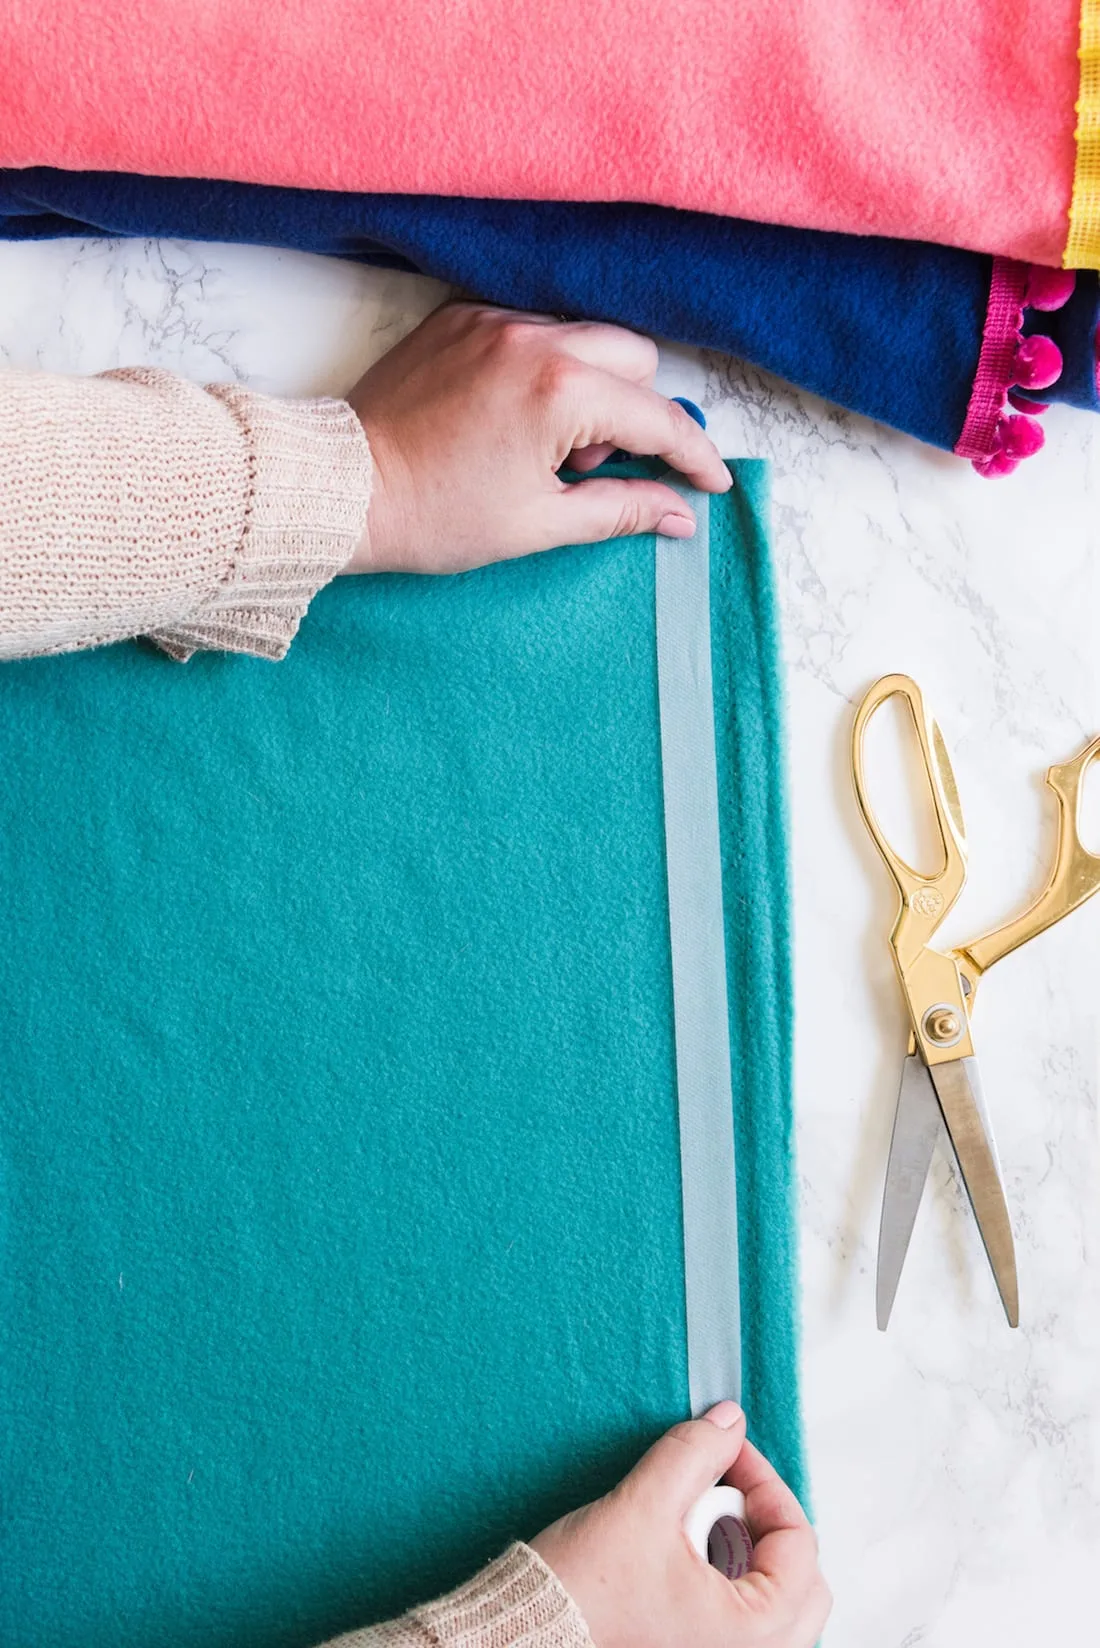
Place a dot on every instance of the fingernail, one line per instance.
(676, 526)
(725, 1415)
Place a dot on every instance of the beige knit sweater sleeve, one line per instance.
(137, 503)
(516, 1602)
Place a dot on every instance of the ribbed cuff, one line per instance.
(515, 1600)
(309, 490)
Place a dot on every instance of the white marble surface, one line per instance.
(955, 1463)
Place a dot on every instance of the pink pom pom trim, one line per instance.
(1021, 437)
(1016, 438)
(999, 463)
(1038, 362)
(993, 438)
(1049, 288)
(1023, 403)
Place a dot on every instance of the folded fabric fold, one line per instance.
(922, 119)
(918, 336)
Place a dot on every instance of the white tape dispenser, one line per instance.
(717, 1529)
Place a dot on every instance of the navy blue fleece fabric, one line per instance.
(891, 329)
(339, 1157)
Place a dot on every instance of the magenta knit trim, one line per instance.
(1000, 339)
(992, 437)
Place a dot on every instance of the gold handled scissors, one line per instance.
(940, 1083)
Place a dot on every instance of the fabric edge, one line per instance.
(1082, 249)
(754, 820)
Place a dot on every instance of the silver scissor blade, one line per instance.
(959, 1090)
(917, 1124)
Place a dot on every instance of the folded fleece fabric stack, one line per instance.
(921, 122)
(914, 119)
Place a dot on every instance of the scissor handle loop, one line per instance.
(925, 898)
(1074, 877)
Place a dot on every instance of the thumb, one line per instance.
(591, 511)
(689, 1459)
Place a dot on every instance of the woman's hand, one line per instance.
(471, 416)
(627, 1564)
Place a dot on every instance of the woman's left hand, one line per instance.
(470, 418)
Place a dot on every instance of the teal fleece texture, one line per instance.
(339, 1170)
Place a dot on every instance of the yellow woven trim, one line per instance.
(1083, 245)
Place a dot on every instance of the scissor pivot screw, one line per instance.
(942, 1025)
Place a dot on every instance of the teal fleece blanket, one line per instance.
(339, 1173)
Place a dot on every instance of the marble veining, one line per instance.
(955, 1463)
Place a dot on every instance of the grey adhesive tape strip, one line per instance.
(689, 771)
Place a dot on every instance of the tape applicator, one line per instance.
(717, 1530)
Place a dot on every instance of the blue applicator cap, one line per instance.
(691, 409)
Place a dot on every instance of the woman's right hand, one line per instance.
(627, 1563)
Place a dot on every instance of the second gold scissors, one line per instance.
(940, 1084)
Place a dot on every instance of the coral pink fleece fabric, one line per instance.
(926, 119)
